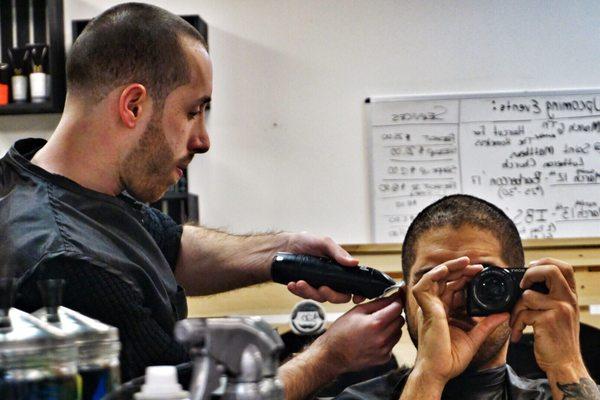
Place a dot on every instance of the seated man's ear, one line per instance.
(133, 102)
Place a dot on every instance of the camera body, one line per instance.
(495, 290)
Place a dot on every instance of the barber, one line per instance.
(139, 80)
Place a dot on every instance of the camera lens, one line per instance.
(493, 289)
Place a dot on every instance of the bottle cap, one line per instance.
(161, 383)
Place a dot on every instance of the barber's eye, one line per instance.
(195, 113)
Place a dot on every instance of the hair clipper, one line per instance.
(322, 271)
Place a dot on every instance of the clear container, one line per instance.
(98, 350)
(37, 360)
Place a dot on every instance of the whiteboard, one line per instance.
(536, 155)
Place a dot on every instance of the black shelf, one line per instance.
(175, 195)
(47, 28)
(182, 207)
(28, 108)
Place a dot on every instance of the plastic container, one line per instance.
(161, 384)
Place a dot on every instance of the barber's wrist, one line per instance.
(329, 356)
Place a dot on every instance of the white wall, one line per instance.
(287, 119)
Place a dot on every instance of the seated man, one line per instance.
(465, 357)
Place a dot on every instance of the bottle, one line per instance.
(18, 59)
(97, 343)
(38, 78)
(161, 384)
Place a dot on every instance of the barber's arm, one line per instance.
(444, 351)
(361, 338)
(555, 320)
(211, 261)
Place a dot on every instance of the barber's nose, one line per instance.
(200, 143)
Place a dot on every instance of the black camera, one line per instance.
(495, 290)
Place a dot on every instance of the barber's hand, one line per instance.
(445, 350)
(304, 243)
(554, 316)
(363, 337)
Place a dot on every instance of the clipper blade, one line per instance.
(393, 289)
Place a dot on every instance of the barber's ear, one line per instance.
(132, 103)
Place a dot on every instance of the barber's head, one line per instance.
(148, 73)
(455, 226)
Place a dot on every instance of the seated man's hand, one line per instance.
(304, 243)
(554, 316)
(445, 348)
(363, 337)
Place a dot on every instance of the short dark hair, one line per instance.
(130, 43)
(458, 210)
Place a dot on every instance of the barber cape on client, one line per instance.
(462, 357)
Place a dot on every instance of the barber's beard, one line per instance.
(147, 170)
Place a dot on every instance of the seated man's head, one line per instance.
(456, 226)
(142, 76)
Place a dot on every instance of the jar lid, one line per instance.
(84, 330)
(28, 334)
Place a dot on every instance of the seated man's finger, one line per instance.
(457, 264)
(522, 320)
(426, 290)
(565, 268)
(469, 270)
(531, 300)
(552, 277)
(452, 289)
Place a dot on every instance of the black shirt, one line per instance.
(116, 254)
(499, 383)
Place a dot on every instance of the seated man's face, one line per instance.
(437, 246)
